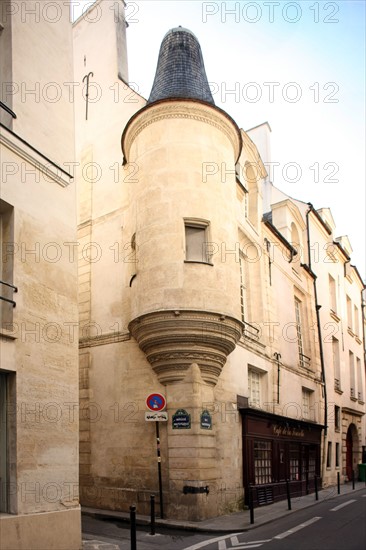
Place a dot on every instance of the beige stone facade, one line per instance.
(229, 332)
(39, 497)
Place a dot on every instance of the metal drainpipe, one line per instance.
(317, 309)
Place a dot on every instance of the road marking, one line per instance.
(207, 542)
(297, 528)
(342, 505)
(235, 544)
(364, 495)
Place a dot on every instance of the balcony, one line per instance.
(13, 289)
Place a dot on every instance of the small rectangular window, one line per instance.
(197, 246)
(329, 455)
(337, 417)
(306, 403)
(349, 313)
(3, 444)
(254, 388)
(337, 455)
(332, 293)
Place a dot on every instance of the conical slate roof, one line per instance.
(180, 71)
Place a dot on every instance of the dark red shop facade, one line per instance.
(278, 450)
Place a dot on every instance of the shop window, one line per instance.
(262, 462)
(294, 463)
(196, 237)
(337, 418)
(336, 364)
(337, 455)
(329, 455)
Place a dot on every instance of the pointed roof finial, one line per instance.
(180, 71)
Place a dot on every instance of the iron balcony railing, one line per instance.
(7, 109)
(14, 288)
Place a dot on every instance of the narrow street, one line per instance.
(333, 524)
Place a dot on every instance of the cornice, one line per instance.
(180, 109)
(173, 340)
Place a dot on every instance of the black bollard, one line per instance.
(353, 479)
(339, 482)
(133, 527)
(251, 505)
(288, 494)
(152, 515)
(307, 482)
(316, 488)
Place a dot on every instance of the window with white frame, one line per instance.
(336, 364)
(196, 239)
(299, 331)
(306, 402)
(332, 294)
(352, 377)
(357, 322)
(360, 396)
(254, 387)
(243, 288)
(349, 313)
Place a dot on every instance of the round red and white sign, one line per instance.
(156, 402)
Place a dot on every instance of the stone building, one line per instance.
(39, 504)
(200, 287)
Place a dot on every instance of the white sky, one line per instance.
(318, 46)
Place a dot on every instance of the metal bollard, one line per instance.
(316, 488)
(288, 494)
(251, 505)
(133, 527)
(339, 482)
(353, 479)
(152, 514)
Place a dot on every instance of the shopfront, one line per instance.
(277, 450)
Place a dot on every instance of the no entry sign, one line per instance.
(156, 402)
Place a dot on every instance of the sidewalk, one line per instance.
(238, 521)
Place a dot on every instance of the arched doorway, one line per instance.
(351, 449)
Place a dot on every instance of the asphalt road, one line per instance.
(334, 524)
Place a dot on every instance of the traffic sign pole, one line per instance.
(159, 470)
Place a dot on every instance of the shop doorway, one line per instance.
(351, 450)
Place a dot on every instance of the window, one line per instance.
(254, 388)
(352, 377)
(243, 289)
(196, 234)
(3, 444)
(332, 294)
(329, 455)
(337, 418)
(306, 395)
(357, 322)
(349, 313)
(359, 379)
(6, 265)
(337, 455)
(299, 331)
(336, 364)
(252, 185)
(262, 462)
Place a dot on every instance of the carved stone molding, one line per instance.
(173, 340)
(181, 109)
